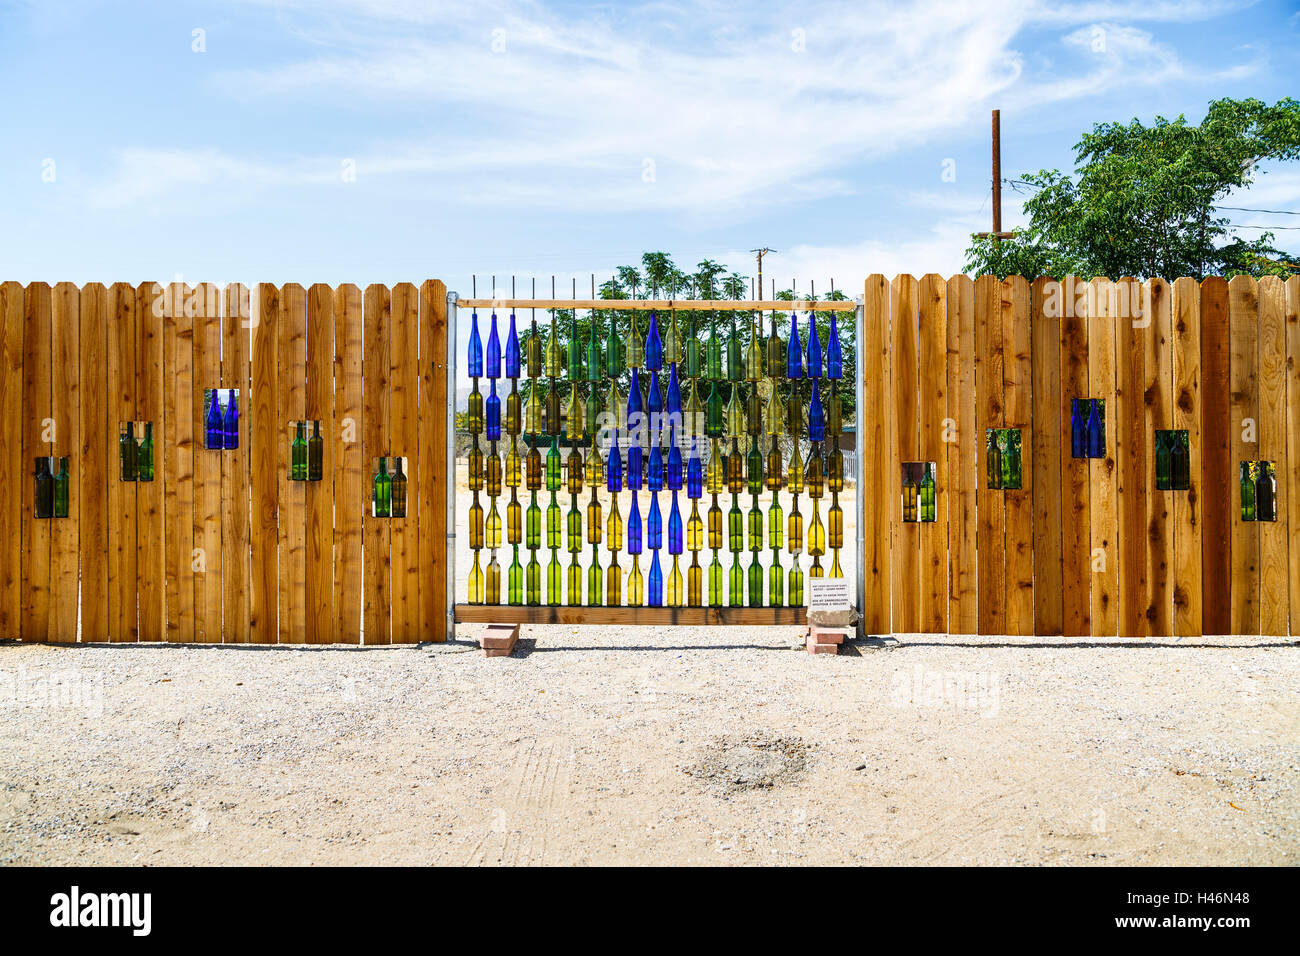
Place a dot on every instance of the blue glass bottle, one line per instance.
(793, 349)
(494, 350)
(655, 469)
(1096, 431)
(230, 424)
(1078, 430)
(214, 437)
(694, 475)
(512, 350)
(675, 528)
(673, 470)
(673, 397)
(634, 527)
(475, 347)
(654, 346)
(493, 410)
(834, 357)
(816, 418)
(654, 403)
(654, 525)
(814, 348)
(614, 467)
(656, 597)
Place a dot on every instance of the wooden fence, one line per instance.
(1086, 546)
(221, 545)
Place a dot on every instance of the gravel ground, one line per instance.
(647, 745)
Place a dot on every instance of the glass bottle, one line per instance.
(533, 524)
(635, 585)
(493, 472)
(1011, 460)
(655, 597)
(476, 582)
(654, 347)
(817, 534)
(614, 527)
(553, 522)
(576, 417)
(554, 595)
(475, 522)
(516, 578)
(613, 352)
(715, 581)
(298, 453)
(713, 426)
(492, 527)
(1162, 460)
(553, 416)
(61, 487)
(492, 589)
(1247, 491)
(553, 465)
(44, 495)
(493, 412)
(814, 365)
(144, 457)
(1180, 463)
(775, 353)
(593, 578)
(775, 581)
(754, 356)
(755, 582)
(533, 410)
(534, 469)
(613, 583)
(775, 525)
(214, 437)
(794, 531)
(672, 343)
(813, 473)
(736, 583)
(512, 465)
(754, 412)
(382, 491)
(475, 347)
(692, 367)
(1097, 429)
(735, 415)
(735, 363)
(795, 580)
(575, 350)
(230, 422)
(534, 351)
(835, 525)
(514, 519)
(992, 459)
(316, 454)
(554, 363)
(794, 349)
(127, 452)
(474, 411)
(816, 419)
(835, 469)
(834, 413)
(512, 349)
(398, 509)
(595, 362)
(735, 527)
(1078, 430)
(694, 529)
(533, 573)
(635, 351)
(909, 493)
(715, 474)
(834, 356)
(928, 510)
(1266, 491)
(634, 527)
(754, 468)
(493, 370)
(713, 354)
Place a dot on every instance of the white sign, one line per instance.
(828, 594)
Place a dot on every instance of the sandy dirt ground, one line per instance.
(654, 746)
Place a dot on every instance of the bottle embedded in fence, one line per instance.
(813, 472)
(613, 350)
(754, 468)
(835, 469)
(735, 527)
(533, 574)
(493, 589)
(816, 417)
(715, 526)
(634, 541)
(654, 346)
(713, 353)
(533, 471)
(213, 438)
(476, 582)
(692, 350)
(493, 412)
(316, 454)
(516, 580)
(635, 345)
(474, 411)
(754, 413)
(834, 413)
(514, 519)
(512, 465)
(595, 361)
(755, 525)
(735, 415)
(694, 529)
(575, 350)
(382, 492)
(1011, 460)
(794, 531)
(533, 524)
(614, 527)
(1162, 460)
(755, 582)
(398, 489)
(230, 422)
(754, 356)
(1265, 491)
(534, 351)
(43, 499)
(735, 469)
(656, 581)
(554, 363)
(736, 583)
(715, 581)
(794, 349)
(834, 354)
(144, 456)
(533, 410)
(735, 363)
(61, 486)
(493, 349)
(553, 416)
(672, 343)
(1247, 491)
(127, 452)
(654, 525)
(553, 521)
(298, 453)
(1180, 471)
(475, 347)
(817, 534)
(512, 349)
(814, 364)
(909, 493)
(1097, 429)
(554, 595)
(992, 459)
(928, 509)
(835, 525)
(1078, 429)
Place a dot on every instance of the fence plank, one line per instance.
(1076, 521)
(235, 541)
(963, 457)
(349, 463)
(65, 388)
(150, 548)
(292, 385)
(1292, 473)
(320, 494)
(404, 432)
(266, 431)
(1132, 454)
(178, 452)
(1273, 587)
(11, 459)
(1049, 612)
(1105, 558)
(875, 486)
(37, 411)
(906, 558)
(1018, 412)
(1218, 479)
(207, 468)
(1158, 400)
(1243, 377)
(119, 408)
(92, 473)
(376, 618)
(991, 535)
(1187, 415)
(932, 295)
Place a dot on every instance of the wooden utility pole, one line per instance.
(997, 234)
(761, 253)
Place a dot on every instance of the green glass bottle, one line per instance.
(554, 360)
(594, 578)
(573, 522)
(735, 361)
(577, 415)
(613, 350)
(534, 352)
(713, 426)
(553, 465)
(516, 580)
(534, 573)
(553, 522)
(672, 343)
(713, 354)
(475, 524)
(575, 468)
(575, 583)
(144, 457)
(692, 365)
(1162, 460)
(775, 353)
(1247, 491)
(735, 470)
(127, 452)
(382, 490)
(715, 581)
(754, 468)
(834, 413)
(575, 350)
(928, 508)
(533, 410)
(593, 412)
(775, 525)
(735, 415)
(298, 453)
(635, 584)
(533, 524)
(398, 509)
(554, 594)
(795, 582)
(794, 412)
(736, 583)
(693, 414)
(553, 416)
(735, 528)
(755, 525)
(474, 411)
(754, 413)
(635, 348)
(1011, 460)
(715, 474)
(775, 581)
(595, 361)
(512, 412)
(476, 581)
(775, 471)
(316, 454)
(61, 486)
(794, 473)
(754, 356)
(992, 458)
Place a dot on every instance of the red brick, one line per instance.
(815, 648)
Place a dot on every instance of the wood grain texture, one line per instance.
(1243, 388)
(119, 407)
(267, 431)
(1045, 447)
(11, 459)
(932, 294)
(93, 454)
(1273, 572)
(38, 411)
(1076, 521)
(906, 539)
(377, 600)
(1157, 305)
(1132, 452)
(292, 385)
(875, 487)
(65, 389)
(991, 535)
(1187, 415)
(404, 441)
(207, 468)
(1018, 412)
(150, 550)
(1291, 476)
(1218, 474)
(236, 318)
(963, 458)
(320, 494)
(177, 452)
(1102, 514)
(349, 463)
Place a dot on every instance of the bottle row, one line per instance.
(918, 491)
(1088, 427)
(524, 526)
(1258, 491)
(135, 451)
(765, 356)
(220, 418)
(1173, 460)
(306, 455)
(388, 488)
(51, 499)
(727, 587)
(1002, 458)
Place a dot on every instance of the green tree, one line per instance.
(1143, 200)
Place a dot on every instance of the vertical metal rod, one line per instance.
(997, 174)
(860, 332)
(453, 317)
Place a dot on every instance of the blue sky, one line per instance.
(502, 136)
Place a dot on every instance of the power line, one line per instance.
(1273, 212)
